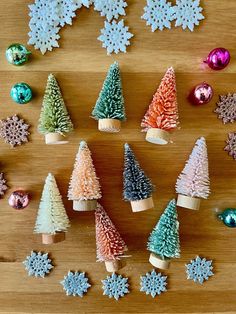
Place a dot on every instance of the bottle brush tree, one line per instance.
(52, 221)
(162, 114)
(54, 119)
(137, 187)
(163, 242)
(84, 188)
(110, 245)
(193, 183)
(109, 109)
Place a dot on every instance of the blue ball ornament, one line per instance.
(21, 93)
(228, 216)
(17, 54)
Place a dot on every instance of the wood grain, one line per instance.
(80, 66)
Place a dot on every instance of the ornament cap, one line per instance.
(55, 138)
(158, 262)
(188, 202)
(158, 136)
(112, 266)
(141, 205)
(109, 125)
(84, 205)
(53, 238)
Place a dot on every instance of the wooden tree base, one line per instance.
(188, 202)
(158, 262)
(54, 138)
(139, 206)
(53, 238)
(112, 266)
(158, 136)
(85, 205)
(109, 125)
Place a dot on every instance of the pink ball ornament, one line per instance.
(19, 199)
(201, 94)
(218, 59)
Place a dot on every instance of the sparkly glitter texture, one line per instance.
(38, 264)
(231, 145)
(199, 270)
(75, 283)
(3, 186)
(226, 108)
(153, 283)
(115, 286)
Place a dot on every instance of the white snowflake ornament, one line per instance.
(110, 8)
(187, 13)
(153, 283)
(199, 270)
(158, 14)
(80, 3)
(115, 37)
(66, 11)
(75, 283)
(115, 286)
(43, 13)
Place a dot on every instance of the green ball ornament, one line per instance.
(17, 54)
(228, 216)
(21, 93)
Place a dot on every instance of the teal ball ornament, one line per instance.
(17, 54)
(228, 216)
(21, 93)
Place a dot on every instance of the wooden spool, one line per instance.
(139, 206)
(54, 138)
(109, 125)
(53, 238)
(188, 202)
(158, 136)
(112, 266)
(158, 262)
(85, 205)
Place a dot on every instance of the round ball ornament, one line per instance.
(19, 199)
(201, 94)
(228, 216)
(21, 93)
(218, 59)
(17, 54)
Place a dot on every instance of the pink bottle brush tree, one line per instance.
(193, 184)
(110, 245)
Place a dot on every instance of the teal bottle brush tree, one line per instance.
(52, 221)
(84, 188)
(193, 184)
(109, 109)
(54, 120)
(163, 242)
(137, 187)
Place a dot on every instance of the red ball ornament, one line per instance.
(218, 59)
(201, 94)
(19, 199)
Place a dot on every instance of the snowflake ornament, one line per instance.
(14, 130)
(115, 37)
(158, 14)
(3, 186)
(38, 264)
(231, 145)
(226, 108)
(115, 286)
(199, 270)
(153, 283)
(75, 283)
(66, 11)
(43, 13)
(80, 3)
(110, 8)
(187, 13)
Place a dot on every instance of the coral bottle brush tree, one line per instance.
(137, 187)
(54, 119)
(109, 109)
(110, 245)
(52, 221)
(193, 183)
(163, 242)
(162, 114)
(84, 188)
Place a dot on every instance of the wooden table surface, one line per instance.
(80, 65)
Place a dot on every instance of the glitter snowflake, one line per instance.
(43, 13)
(38, 264)
(226, 108)
(3, 186)
(153, 283)
(115, 286)
(14, 130)
(75, 283)
(115, 36)
(158, 14)
(80, 3)
(66, 11)
(110, 8)
(187, 13)
(199, 270)
(231, 145)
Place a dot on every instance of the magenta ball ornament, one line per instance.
(218, 59)
(201, 94)
(19, 199)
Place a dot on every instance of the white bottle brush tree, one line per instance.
(52, 221)
(193, 184)
(54, 121)
(84, 188)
